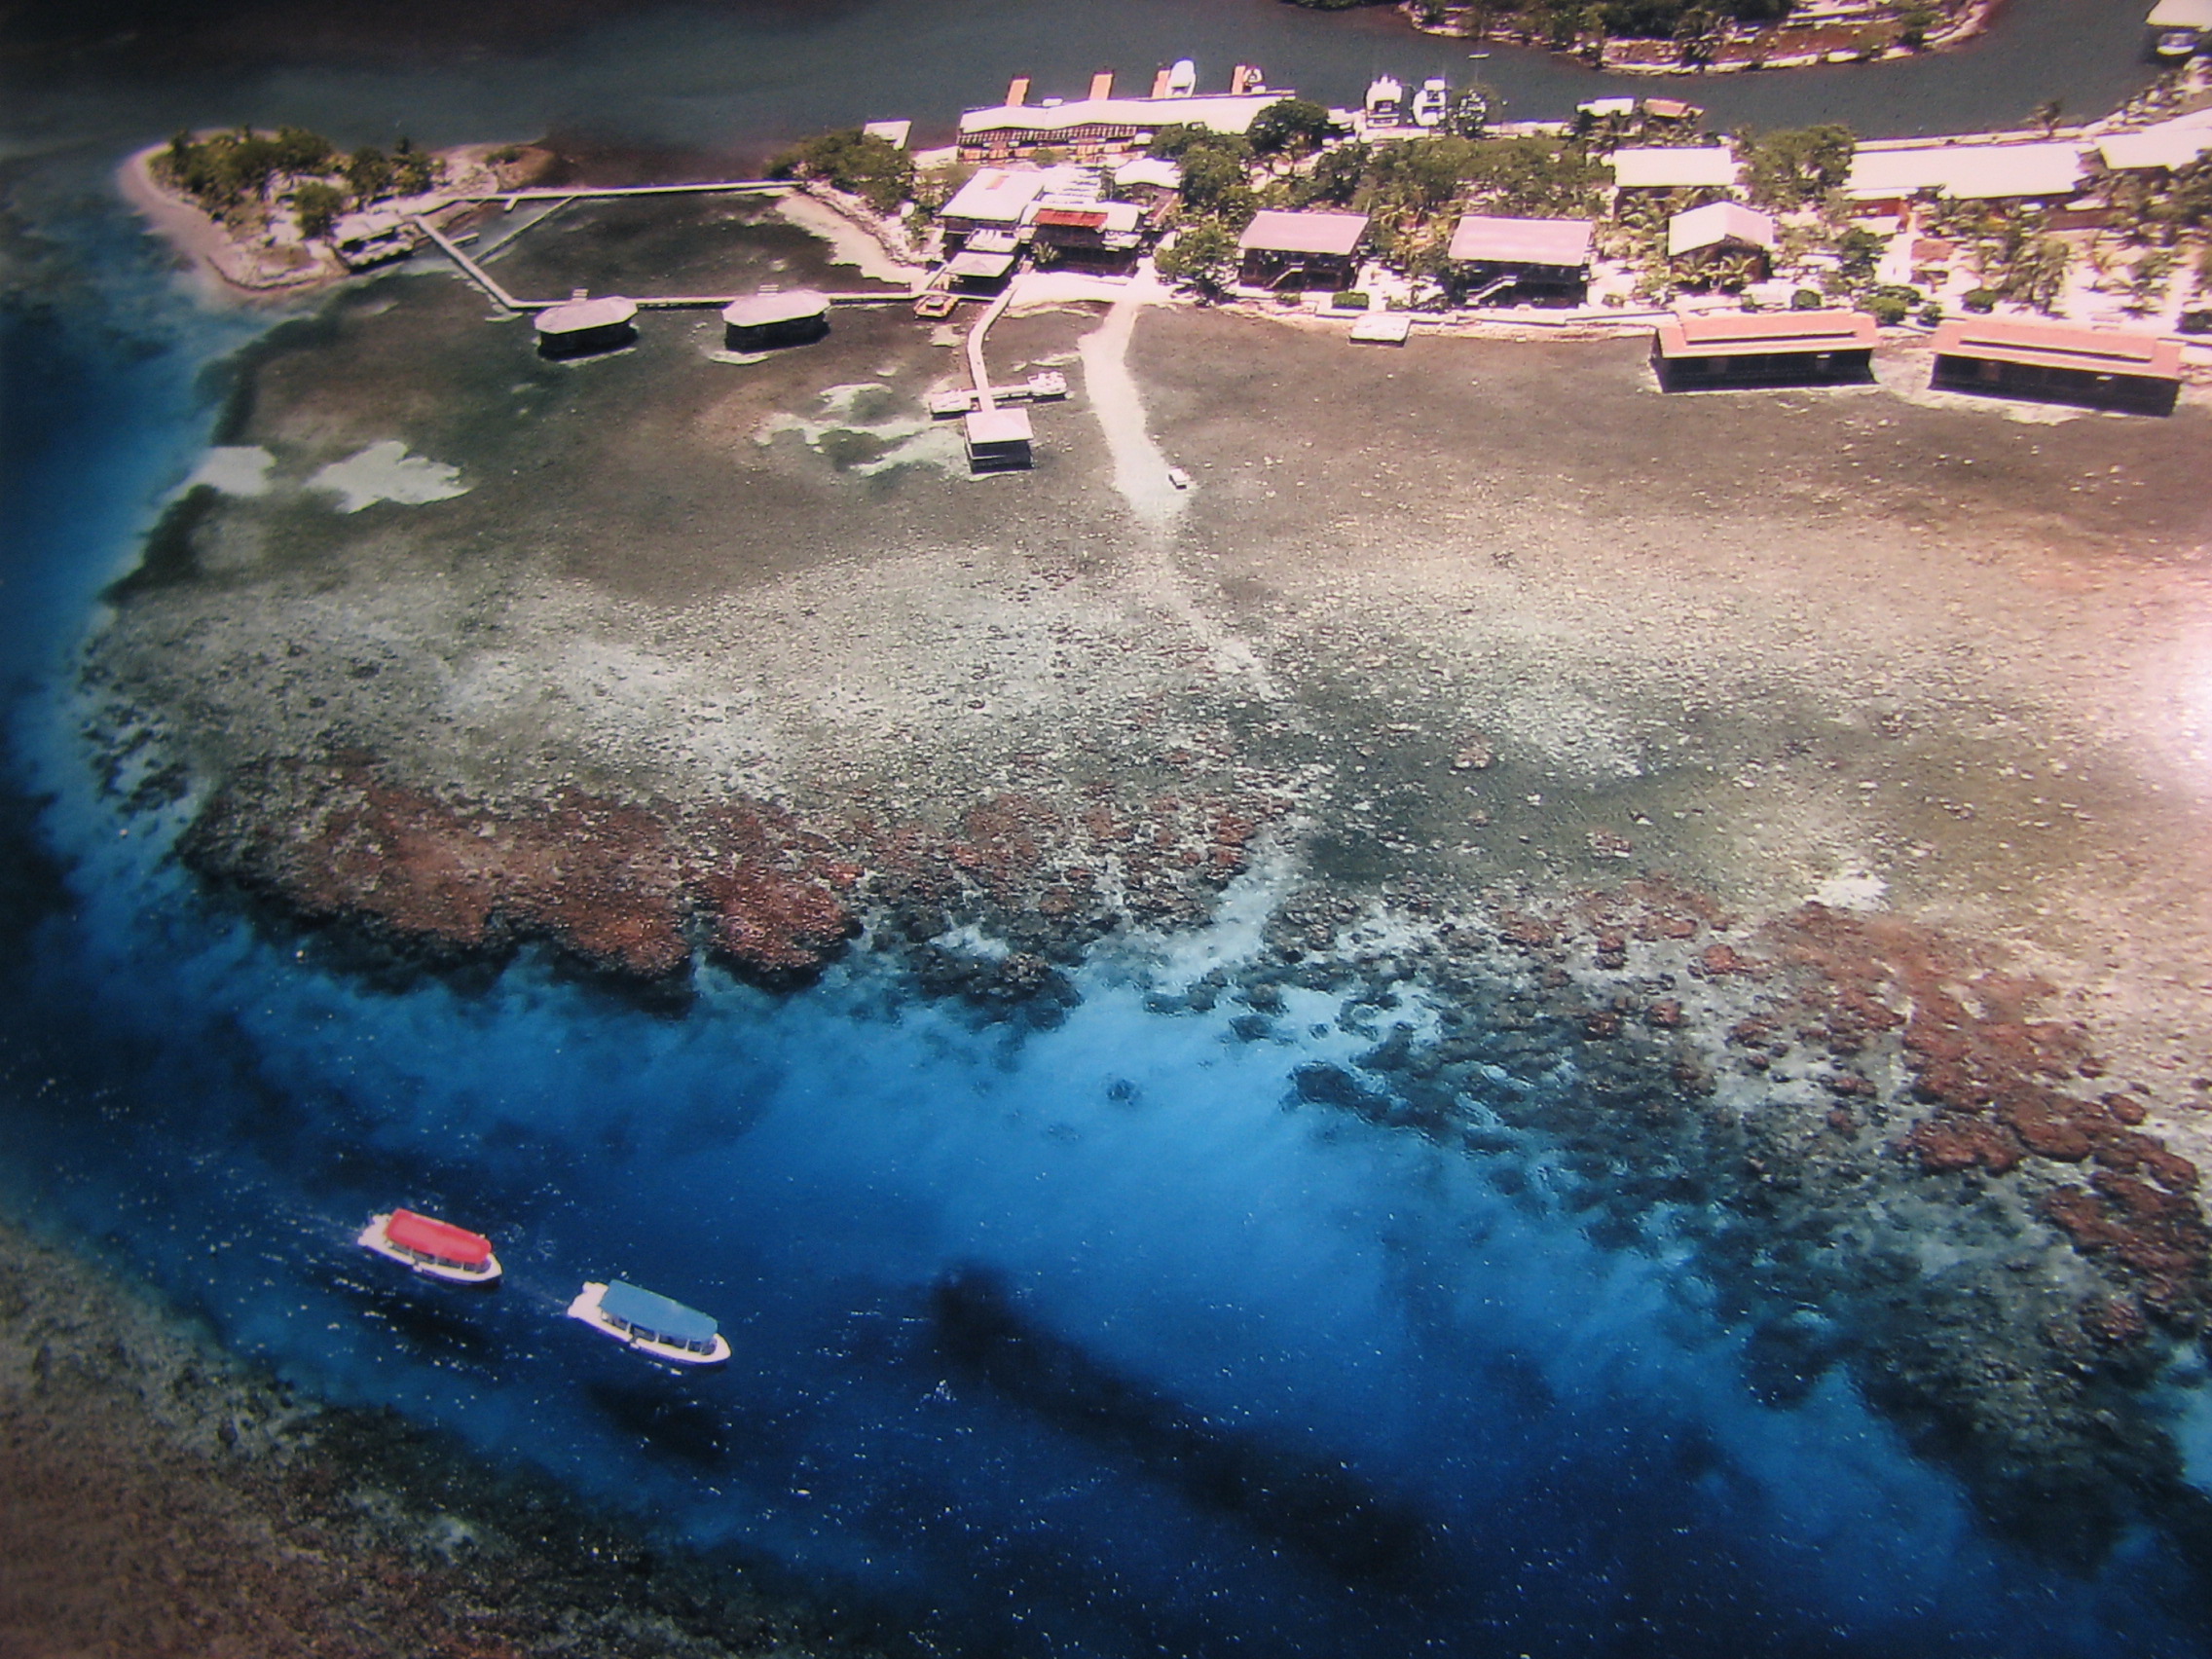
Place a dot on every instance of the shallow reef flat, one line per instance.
(1784, 811)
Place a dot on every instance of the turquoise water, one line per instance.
(1093, 1341)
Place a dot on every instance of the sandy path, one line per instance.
(1140, 476)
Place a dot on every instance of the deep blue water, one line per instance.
(1085, 1343)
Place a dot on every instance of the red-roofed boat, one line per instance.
(432, 1248)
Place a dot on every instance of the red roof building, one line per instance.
(1746, 349)
(2049, 362)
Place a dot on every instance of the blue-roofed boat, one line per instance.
(650, 1323)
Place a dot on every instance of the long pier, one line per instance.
(976, 370)
(580, 192)
(474, 271)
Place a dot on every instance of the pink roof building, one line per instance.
(2051, 363)
(1481, 240)
(1331, 234)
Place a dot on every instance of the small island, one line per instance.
(282, 211)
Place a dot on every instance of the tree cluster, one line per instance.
(231, 171)
(1795, 168)
(229, 168)
(1526, 177)
(876, 170)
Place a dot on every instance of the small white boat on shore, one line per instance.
(650, 1323)
(436, 1249)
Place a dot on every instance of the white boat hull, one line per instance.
(373, 1237)
(586, 1308)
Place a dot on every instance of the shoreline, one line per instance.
(1974, 24)
(226, 263)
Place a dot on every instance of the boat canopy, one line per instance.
(656, 1315)
(426, 1236)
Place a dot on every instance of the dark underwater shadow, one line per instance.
(1317, 1507)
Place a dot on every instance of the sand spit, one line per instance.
(1552, 699)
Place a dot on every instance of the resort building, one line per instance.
(1744, 348)
(2099, 368)
(1708, 166)
(760, 323)
(1490, 255)
(1100, 235)
(578, 326)
(1148, 179)
(998, 438)
(1100, 124)
(979, 270)
(994, 200)
(1281, 249)
(1885, 178)
(363, 241)
(1704, 238)
(2163, 148)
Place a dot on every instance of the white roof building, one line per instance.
(1966, 172)
(1705, 166)
(765, 311)
(890, 132)
(2168, 145)
(586, 317)
(1116, 118)
(995, 196)
(1151, 171)
(1718, 223)
(2182, 15)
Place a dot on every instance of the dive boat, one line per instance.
(1433, 102)
(650, 1323)
(436, 1249)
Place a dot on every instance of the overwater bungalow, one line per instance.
(998, 439)
(760, 323)
(579, 326)
(1737, 348)
(2047, 363)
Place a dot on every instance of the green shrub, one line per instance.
(1350, 298)
(2196, 322)
(1885, 309)
(1982, 301)
(875, 170)
(318, 204)
(1932, 313)
(1807, 299)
